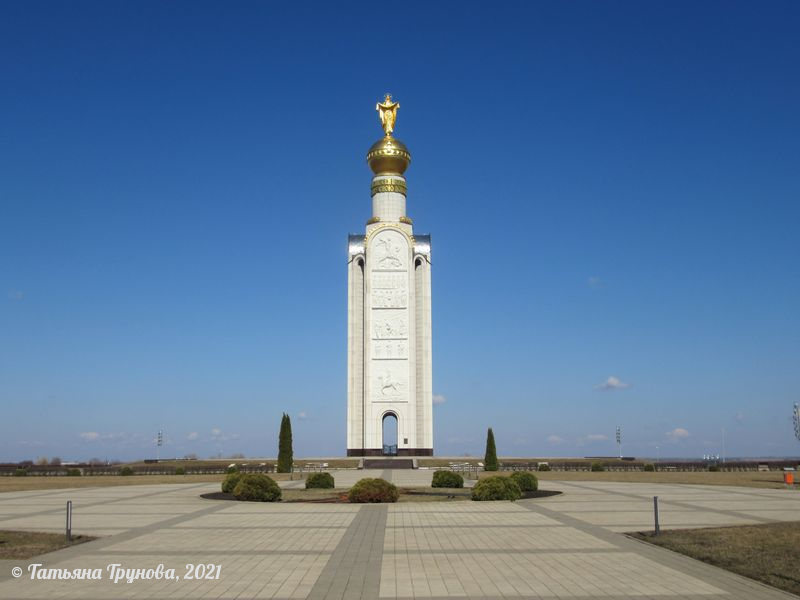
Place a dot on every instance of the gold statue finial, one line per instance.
(387, 110)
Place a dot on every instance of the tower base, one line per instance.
(400, 452)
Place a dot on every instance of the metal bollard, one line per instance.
(69, 520)
(655, 514)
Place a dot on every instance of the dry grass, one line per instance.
(26, 544)
(19, 484)
(767, 553)
(771, 479)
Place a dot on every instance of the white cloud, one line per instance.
(596, 437)
(90, 436)
(554, 439)
(302, 415)
(678, 433)
(192, 436)
(612, 383)
(218, 436)
(439, 399)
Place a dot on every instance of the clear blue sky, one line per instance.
(612, 188)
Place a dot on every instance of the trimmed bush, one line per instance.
(125, 471)
(257, 487)
(21, 473)
(232, 469)
(598, 467)
(73, 472)
(649, 467)
(496, 488)
(527, 482)
(373, 490)
(447, 479)
(319, 481)
(490, 458)
(230, 481)
(544, 468)
(180, 471)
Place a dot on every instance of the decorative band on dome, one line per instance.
(380, 186)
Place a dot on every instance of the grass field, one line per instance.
(770, 479)
(18, 484)
(445, 495)
(767, 553)
(26, 544)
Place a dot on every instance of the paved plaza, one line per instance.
(563, 546)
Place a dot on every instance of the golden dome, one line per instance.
(388, 155)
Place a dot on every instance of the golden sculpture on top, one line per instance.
(387, 110)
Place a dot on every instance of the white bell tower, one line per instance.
(389, 314)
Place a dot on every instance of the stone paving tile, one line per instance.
(489, 538)
(520, 574)
(561, 546)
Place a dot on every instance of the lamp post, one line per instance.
(619, 441)
(159, 443)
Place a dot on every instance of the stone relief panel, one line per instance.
(391, 349)
(390, 381)
(389, 325)
(389, 251)
(390, 290)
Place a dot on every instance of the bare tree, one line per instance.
(55, 461)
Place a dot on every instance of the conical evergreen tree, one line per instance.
(285, 454)
(490, 460)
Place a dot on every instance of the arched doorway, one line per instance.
(389, 434)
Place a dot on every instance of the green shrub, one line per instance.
(373, 490)
(285, 452)
(713, 468)
(490, 458)
(447, 479)
(230, 481)
(232, 469)
(319, 481)
(257, 487)
(544, 467)
(73, 472)
(527, 482)
(496, 488)
(126, 471)
(598, 467)
(649, 467)
(180, 471)
(21, 472)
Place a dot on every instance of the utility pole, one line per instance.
(796, 419)
(619, 441)
(159, 443)
(723, 445)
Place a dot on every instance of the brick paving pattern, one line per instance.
(565, 546)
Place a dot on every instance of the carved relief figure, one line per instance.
(389, 298)
(390, 328)
(387, 350)
(388, 384)
(388, 255)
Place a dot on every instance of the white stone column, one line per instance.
(388, 198)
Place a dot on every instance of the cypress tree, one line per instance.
(490, 460)
(285, 455)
